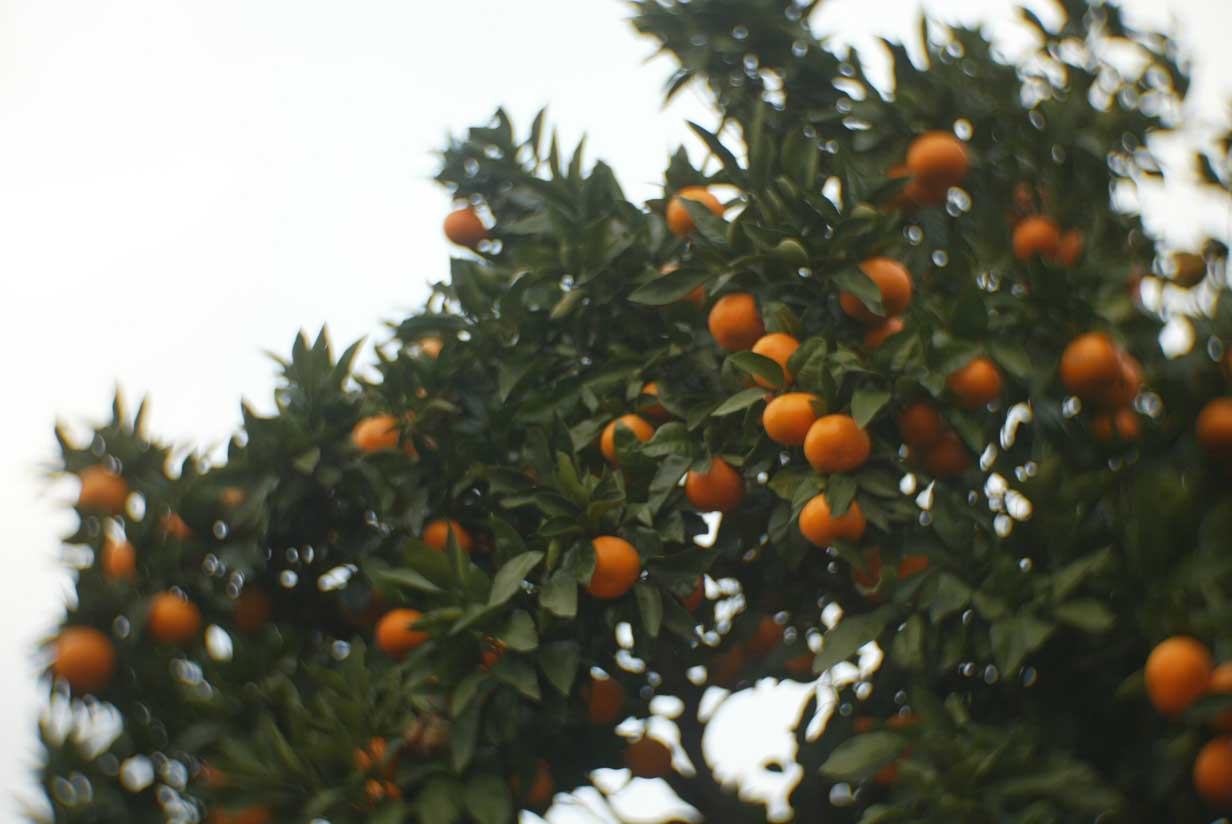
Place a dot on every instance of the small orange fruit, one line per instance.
(836, 443)
(697, 297)
(765, 638)
(252, 610)
(376, 433)
(640, 427)
(1123, 425)
(696, 596)
(605, 700)
(938, 160)
(1178, 672)
(1036, 236)
(102, 491)
(173, 619)
(1221, 683)
(947, 457)
(678, 218)
(436, 535)
(541, 789)
(371, 756)
(493, 651)
(1212, 773)
(893, 281)
(823, 529)
(1091, 365)
(977, 384)
(431, 346)
(85, 658)
(1069, 248)
(718, 490)
(247, 815)
(788, 417)
(617, 567)
(879, 334)
(119, 560)
(396, 634)
(911, 565)
(653, 410)
(779, 348)
(173, 526)
(920, 426)
(1214, 428)
(725, 668)
(734, 322)
(464, 228)
(232, 496)
(648, 758)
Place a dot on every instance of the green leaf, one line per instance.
(730, 164)
(1087, 615)
(907, 647)
(851, 279)
(519, 674)
(559, 662)
(741, 400)
(439, 802)
(1015, 637)
(866, 403)
(650, 604)
(510, 373)
(465, 692)
(463, 735)
(405, 577)
(519, 632)
(559, 595)
(952, 594)
(665, 289)
(862, 755)
(851, 633)
(758, 366)
(508, 579)
(489, 800)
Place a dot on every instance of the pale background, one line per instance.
(186, 184)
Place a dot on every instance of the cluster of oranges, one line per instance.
(1178, 672)
(376, 761)
(1039, 236)
(935, 162)
(1102, 374)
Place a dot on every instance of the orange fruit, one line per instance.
(977, 384)
(376, 433)
(823, 529)
(1036, 236)
(371, 756)
(696, 597)
(947, 457)
(779, 348)
(938, 160)
(1069, 248)
(173, 619)
(431, 346)
(648, 758)
(836, 443)
(915, 193)
(1122, 425)
(718, 490)
(102, 491)
(541, 788)
(232, 496)
(617, 567)
(247, 815)
(464, 228)
(436, 535)
(607, 442)
(1127, 384)
(1091, 365)
(697, 297)
(879, 334)
(887, 775)
(85, 658)
(172, 525)
(724, 669)
(1178, 672)
(493, 651)
(1212, 773)
(678, 218)
(767, 636)
(788, 417)
(919, 425)
(893, 281)
(252, 610)
(118, 560)
(734, 322)
(1221, 682)
(911, 565)
(605, 699)
(653, 410)
(396, 634)
(1214, 428)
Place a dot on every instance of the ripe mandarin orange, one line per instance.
(678, 218)
(1178, 672)
(788, 417)
(376, 433)
(605, 699)
(102, 491)
(734, 322)
(648, 758)
(655, 409)
(822, 528)
(172, 525)
(765, 638)
(879, 334)
(912, 564)
(173, 619)
(1212, 773)
(1069, 248)
(779, 348)
(938, 160)
(695, 598)
(617, 567)
(542, 786)
(893, 281)
(1214, 428)
(1221, 684)
(395, 632)
(431, 346)
(718, 490)
(436, 535)
(697, 297)
(836, 443)
(640, 427)
(1036, 236)
(977, 384)
(85, 658)
(1091, 365)
(1124, 425)
(118, 560)
(252, 610)
(463, 227)
(947, 456)
(920, 425)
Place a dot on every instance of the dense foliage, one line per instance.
(1029, 529)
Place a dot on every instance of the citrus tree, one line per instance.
(874, 399)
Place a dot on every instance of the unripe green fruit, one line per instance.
(791, 253)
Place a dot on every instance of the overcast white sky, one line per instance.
(186, 184)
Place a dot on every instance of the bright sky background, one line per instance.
(184, 185)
